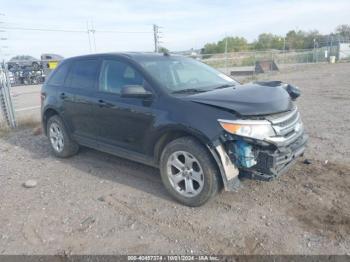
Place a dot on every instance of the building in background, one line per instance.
(344, 51)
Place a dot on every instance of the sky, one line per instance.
(126, 25)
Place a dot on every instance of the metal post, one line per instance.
(5, 98)
(226, 56)
(271, 60)
(284, 50)
(331, 48)
(314, 51)
(254, 63)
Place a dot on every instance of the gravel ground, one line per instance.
(96, 203)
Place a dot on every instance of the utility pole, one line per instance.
(88, 33)
(284, 50)
(91, 34)
(93, 31)
(156, 38)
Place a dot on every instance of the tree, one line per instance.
(295, 40)
(269, 41)
(343, 30)
(162, 49)
(310, 37)
(234, 44)
(210, 48)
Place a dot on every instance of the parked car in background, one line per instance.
(201, 128)
(48, 59)
(49, 62)
(23, 62)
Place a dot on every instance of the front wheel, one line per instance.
(62, 145)
(188, 172)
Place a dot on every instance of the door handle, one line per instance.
(63, 96)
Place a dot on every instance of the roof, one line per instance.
(132, 55)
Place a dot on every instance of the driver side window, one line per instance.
(116, 74)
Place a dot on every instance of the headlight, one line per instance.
(258, 129)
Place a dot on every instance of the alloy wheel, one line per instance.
(56, 137)
(185, 173)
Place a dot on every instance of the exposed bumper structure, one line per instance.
(274, 162)
(266, 159)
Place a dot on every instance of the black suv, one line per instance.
(200, 127)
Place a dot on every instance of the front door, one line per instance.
(123, 122)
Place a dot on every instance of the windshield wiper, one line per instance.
(188, 90)
(224, 86)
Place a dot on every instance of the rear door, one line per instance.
(54, 87)
(80, 89)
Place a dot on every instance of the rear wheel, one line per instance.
(62, 145)
(188, 172)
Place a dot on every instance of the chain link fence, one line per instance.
(245, 63)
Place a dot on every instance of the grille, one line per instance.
(285, 125)
(288, 121)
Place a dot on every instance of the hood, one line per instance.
(248, 99)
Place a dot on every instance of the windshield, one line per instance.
(185, 75)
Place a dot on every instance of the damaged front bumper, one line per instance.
(272, 160)
(262, 159)
(268, 160)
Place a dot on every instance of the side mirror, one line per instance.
(135, 91)
(293, 91)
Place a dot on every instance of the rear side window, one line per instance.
(83, 74)
(59, 75)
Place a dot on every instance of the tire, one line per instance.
(35, 66)
(203, 180)
(26, 81)
(35, 81)
(56, 131)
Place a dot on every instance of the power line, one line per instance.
(123, 32)
(41, 29)
(70, 30)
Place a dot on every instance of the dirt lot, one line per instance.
(95, 203)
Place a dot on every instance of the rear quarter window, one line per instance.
(83, 74)
(59, 75)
